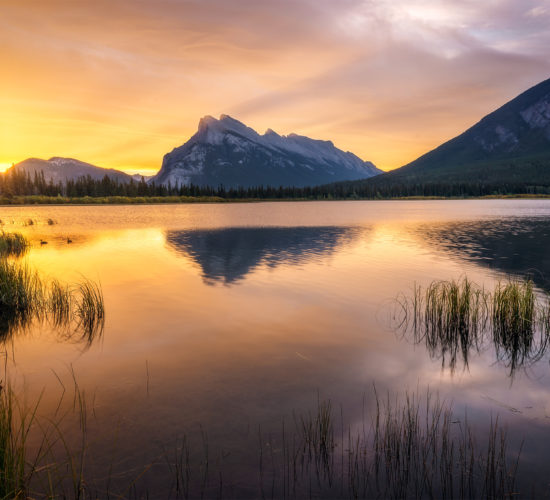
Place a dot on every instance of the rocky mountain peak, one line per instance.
(226, 151)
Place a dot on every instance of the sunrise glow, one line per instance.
(121, 84)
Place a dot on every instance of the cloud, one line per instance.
(384, 78)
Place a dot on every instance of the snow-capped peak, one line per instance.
(213, 131)
(226, 151)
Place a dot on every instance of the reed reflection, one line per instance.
(229, 255)
(456, 319)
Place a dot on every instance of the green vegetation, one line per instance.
(21, 296)
(455, 318)
(59, 303)
(25, 297)
(90, 308)
(13, 244)
(14, 429)
(410, 447)
(513, 310)
(21, 189)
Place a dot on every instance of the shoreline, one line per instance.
(166, 200)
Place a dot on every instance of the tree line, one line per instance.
(13, 183)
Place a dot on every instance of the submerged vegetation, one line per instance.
(455, 318)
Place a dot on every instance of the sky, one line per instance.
(120, 83)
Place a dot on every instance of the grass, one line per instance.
(90, 309)
(106, 200)
(125, 200)
(21, 297)
(25, 297)
(12, 448)
(455, 318)
(13, 244)
(411, 446)
(59, 303)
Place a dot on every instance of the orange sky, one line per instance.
(119, 83)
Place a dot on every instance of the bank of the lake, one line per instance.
(144, 200)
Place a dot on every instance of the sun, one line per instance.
(5, 166)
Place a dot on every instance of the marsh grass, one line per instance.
(12, 449)
(90, 308)
(519, 331)
(21, 296)
(456, 318)
(409, 446)
(78, 311)
(412, 446)
(13, 244)
(454, 313)
(59, 303)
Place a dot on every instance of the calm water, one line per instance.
(230, 319)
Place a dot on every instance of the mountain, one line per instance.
(138, 177)
(61, 169)
(510, 145)
(227, 152)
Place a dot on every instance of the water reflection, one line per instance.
(456, 319)
(516, 246)
(228, 255)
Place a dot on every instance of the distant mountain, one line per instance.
(510, 145)
(227, 152)
(138, 177)
(61, 169)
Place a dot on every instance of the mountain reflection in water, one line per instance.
(228, 255)
(516, 246)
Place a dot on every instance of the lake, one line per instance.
(226, 323)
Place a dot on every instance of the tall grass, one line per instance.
(12, 450)
(456, 318)
(15, 425)
(90, 309)
(13, 244)
(409, 447)
(516, 317)
(25, 297)
(454, 313)
(21, 296)
(59, 303)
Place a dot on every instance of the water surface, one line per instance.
(229, 318)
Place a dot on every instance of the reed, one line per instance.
(455, 318)
(15, 424)
(12, 451)
(90, 309)
(12, 244)
(59, 303)
(20, 287)
(415, 447)
(513, 312)
(25, 297)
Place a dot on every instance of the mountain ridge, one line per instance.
(515, 135)
(60, 169)
(228, 152)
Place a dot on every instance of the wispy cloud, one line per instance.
(387, 79)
